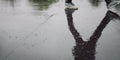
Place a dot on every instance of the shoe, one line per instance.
(72, 7)
(69, 4)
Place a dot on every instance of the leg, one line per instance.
(68, 1)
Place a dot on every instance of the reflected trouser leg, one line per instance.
(68, 1)
(108, 2)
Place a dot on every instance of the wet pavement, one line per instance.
(45, 30)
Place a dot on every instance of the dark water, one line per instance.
(45, 30)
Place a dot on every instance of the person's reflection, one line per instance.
(85, 50)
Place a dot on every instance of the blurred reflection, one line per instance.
(109, 3)
(42, 4)
(9, 2)
(95, 3)
(117, 7)
(85, 50)
(114, 4)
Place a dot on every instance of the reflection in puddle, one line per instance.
(42, 34)
(36, 4)
(9, 2)
(95, 2)
(85, 50)
(42, 4)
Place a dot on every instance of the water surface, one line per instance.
(39, 30)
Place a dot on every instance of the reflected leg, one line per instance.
(108, 2)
